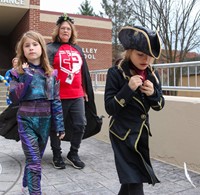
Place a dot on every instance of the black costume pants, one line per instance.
(73, 112)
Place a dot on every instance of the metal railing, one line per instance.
(180, 76)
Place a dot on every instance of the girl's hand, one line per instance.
(147, 88)
(61, 135)
(135, 82)
(25, 65)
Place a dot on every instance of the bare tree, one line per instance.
(179, 27)
(120, 11)
(177, 21)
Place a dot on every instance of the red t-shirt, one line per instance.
(68, 62)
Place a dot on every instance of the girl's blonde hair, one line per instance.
(127, 55)
(55, 34)
(44, 61)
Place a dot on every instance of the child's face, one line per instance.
(15, 61)
(32, 51)
(140, 59)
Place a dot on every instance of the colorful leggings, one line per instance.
(34, 132)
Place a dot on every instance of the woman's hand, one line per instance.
(85, 96)
(135, 82)
(147, 88)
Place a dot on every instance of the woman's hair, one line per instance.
(44, 62)
(55, 34)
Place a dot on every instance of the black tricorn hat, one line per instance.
(141, 39)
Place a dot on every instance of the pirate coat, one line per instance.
(129, 124)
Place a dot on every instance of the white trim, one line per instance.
(86, 41)
(78, 21)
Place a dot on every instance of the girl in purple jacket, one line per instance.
(35, 88)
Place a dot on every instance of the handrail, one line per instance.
(179, 76)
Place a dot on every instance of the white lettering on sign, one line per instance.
(89, 53)
(15, 2)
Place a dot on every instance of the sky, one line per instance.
(68, 6)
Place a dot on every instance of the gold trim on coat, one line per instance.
(135, 147)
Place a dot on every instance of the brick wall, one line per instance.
(34, 2)
(34, 20)
(94, 35)
(21, 27)
(90, 38)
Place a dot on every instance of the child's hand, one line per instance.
(135, 82)
(25, 65)
(61, 134)
(147, 88)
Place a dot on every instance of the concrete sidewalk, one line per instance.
(99, 177)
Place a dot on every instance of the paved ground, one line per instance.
(97, 178)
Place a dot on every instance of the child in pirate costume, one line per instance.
(132, 88)
(35, 87)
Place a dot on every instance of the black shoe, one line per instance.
(75, 161)
(58, 163)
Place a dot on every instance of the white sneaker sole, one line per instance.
(56, 166)
(71, 163)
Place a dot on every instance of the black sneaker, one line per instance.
(58, 163)
(75, 161)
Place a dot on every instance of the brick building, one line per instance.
(19, 16)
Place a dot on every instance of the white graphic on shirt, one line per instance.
(70, 63)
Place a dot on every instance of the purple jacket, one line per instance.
(35, 85)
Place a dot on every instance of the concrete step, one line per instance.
(3, 97)
(3, 91)
(2, 108)
(2, 85)
(3, 102)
